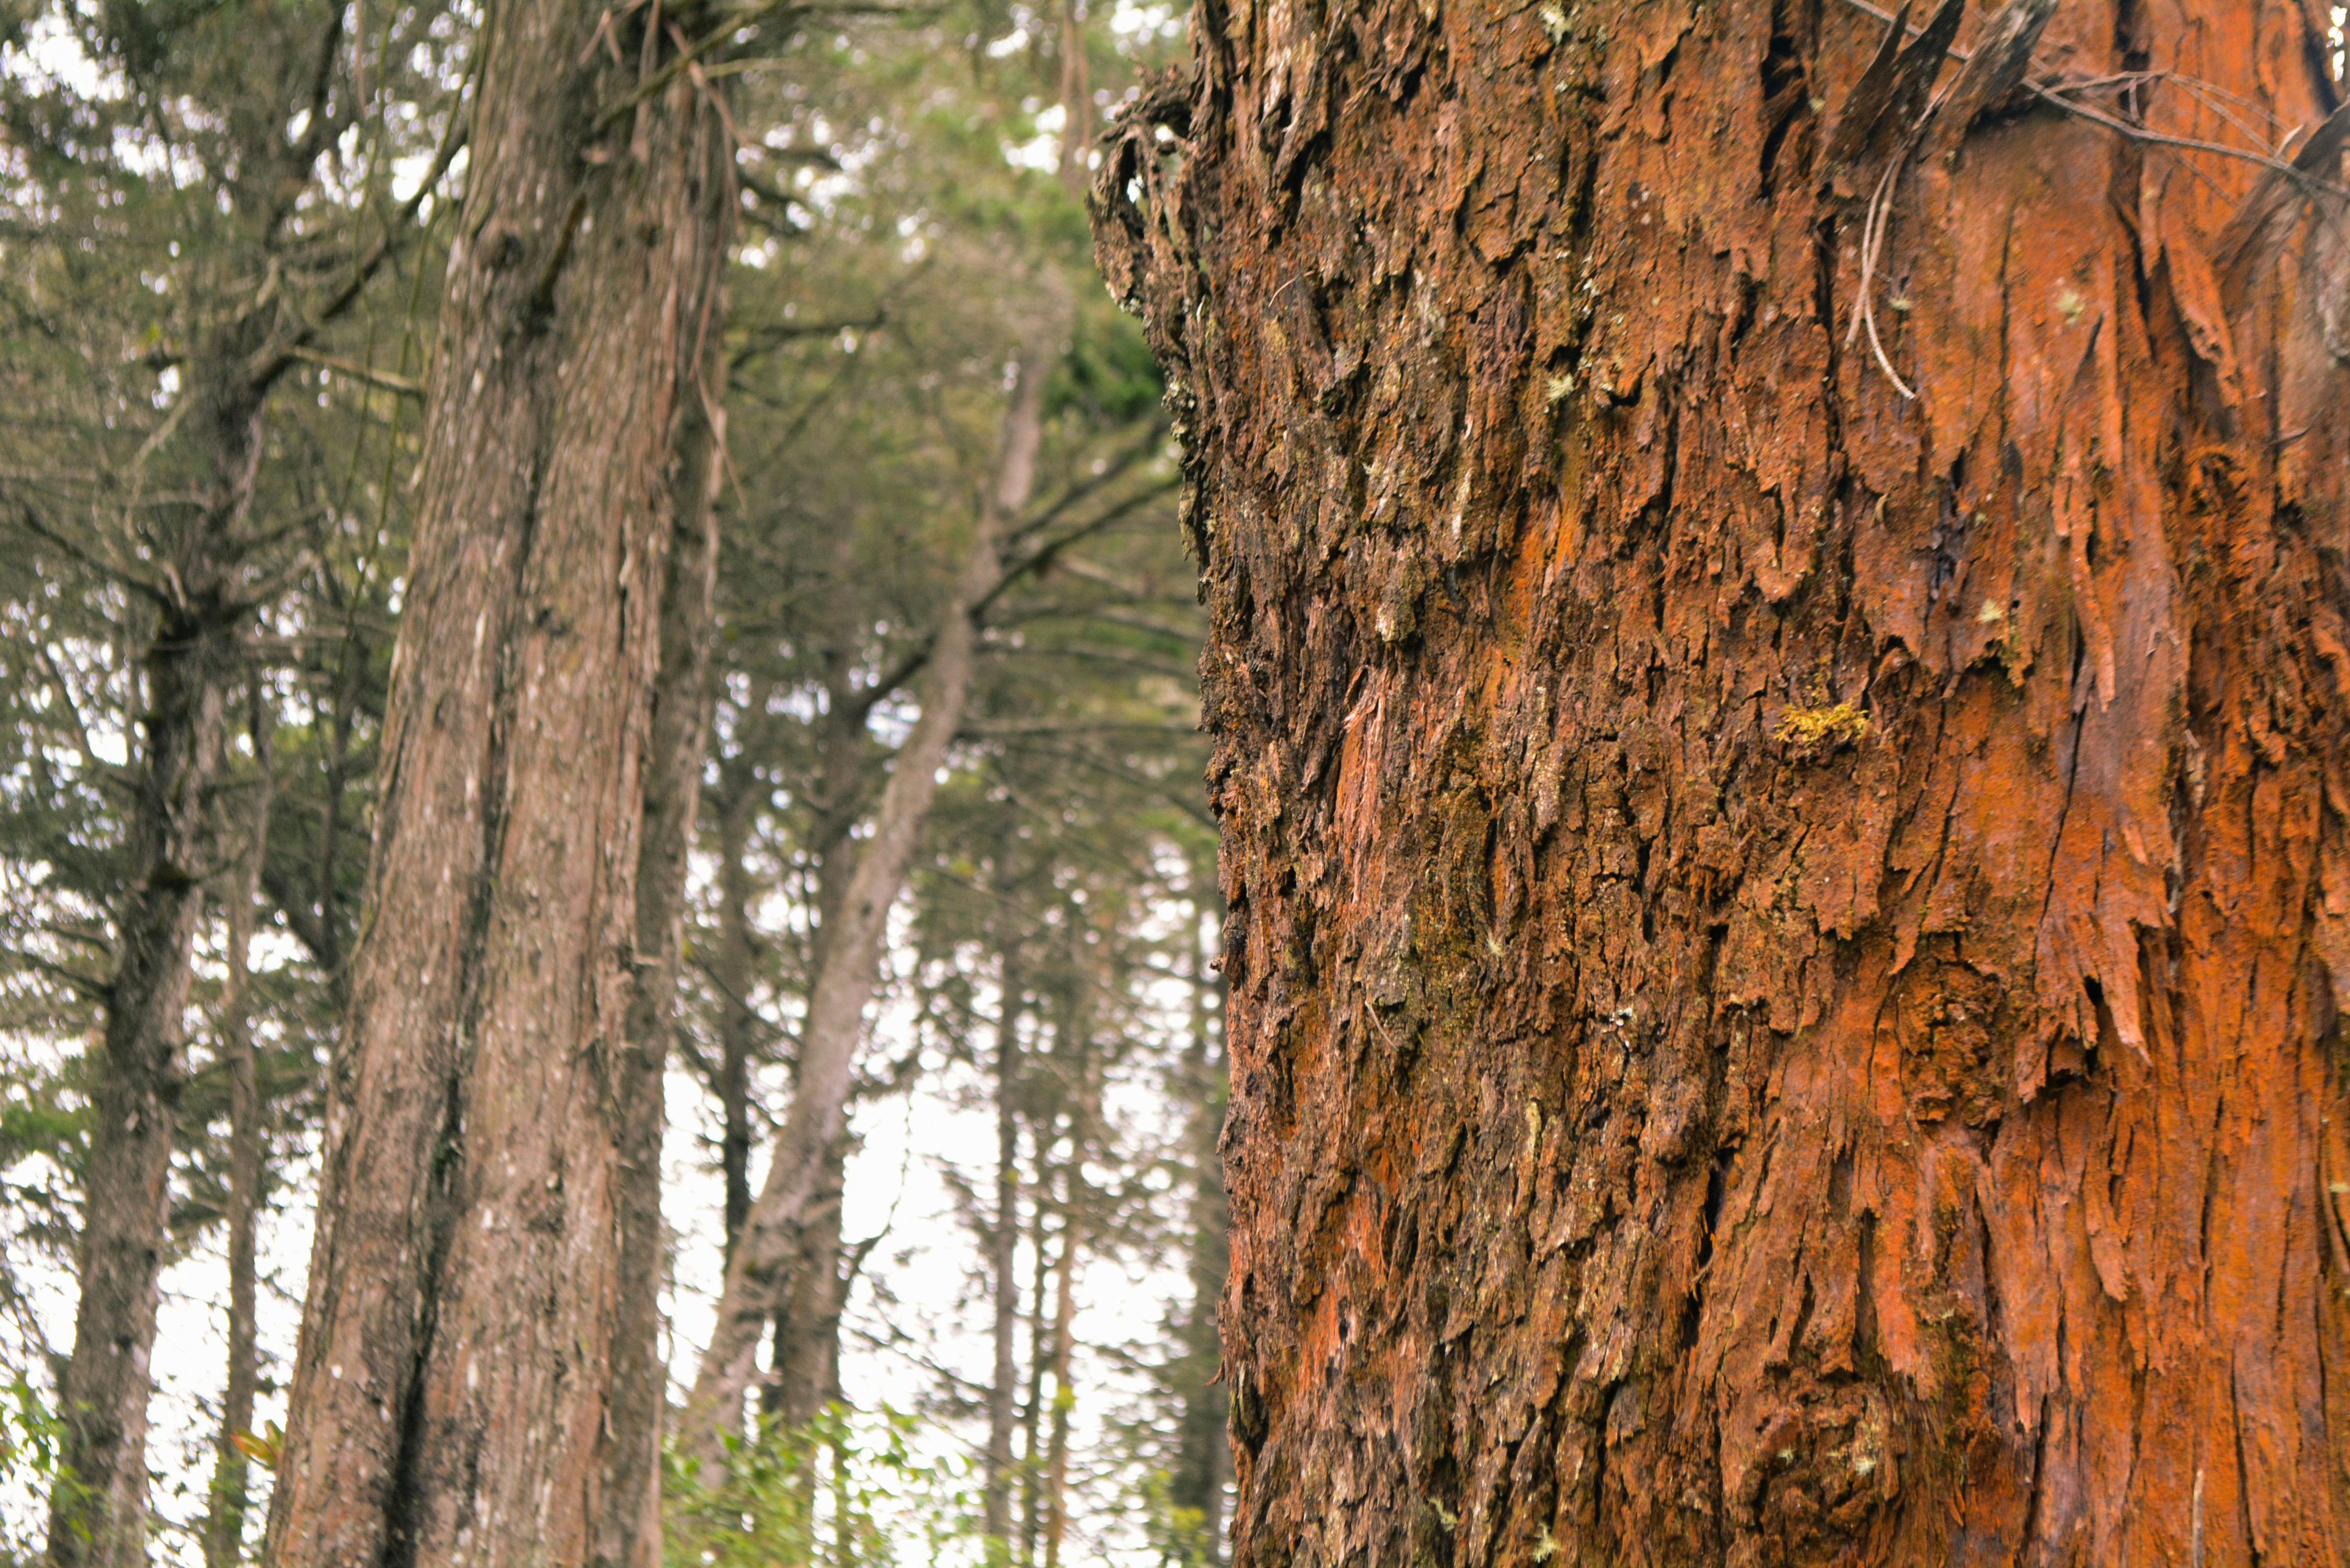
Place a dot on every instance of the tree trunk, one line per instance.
(1032, 1409)
(1203, 1452)
(805, 1361)
(631, 1531)
(1076, 1049)
(98, 1509)
(1065, 1306)
(1786, 941)
(1003, 1253)
(760, 1273)
(734, 964)
(804, 1365)
(452, 1395)
(224, 1531)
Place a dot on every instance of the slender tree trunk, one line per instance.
(766, 1254)
(98, 1510)
(1064, 1307)
(734, 967)
(1203, 1461)
(1003, 1254)
(224, 1529)
(452, 1398)
(807, 1357)
(1081, 1064)
(631, 1531)
(1786, 940)
(1040, 1355)
(807, 1347)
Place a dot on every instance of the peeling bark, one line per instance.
(1786, 942)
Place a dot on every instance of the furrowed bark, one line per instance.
(1786, 942)
(630, 1534)
(764, 1262)
(452, 1396)
(224, 1529)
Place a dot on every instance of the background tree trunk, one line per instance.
(1003, 1249)
(631, 1533)
(764, 1262)
(1786, 941)
(224, 1531)
(451, 1394)
(733, 968)
(1203, 1452)
(805, 1364)
(99, 1509)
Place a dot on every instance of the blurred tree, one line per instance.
(200, 198)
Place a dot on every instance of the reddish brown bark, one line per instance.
(452, 1398)
(1786, 942)
(677, 737)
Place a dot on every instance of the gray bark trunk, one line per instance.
(1003, 1250)
(759, 1275)
(224, 1529)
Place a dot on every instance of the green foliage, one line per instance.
(844, 1489)
(31, 1442)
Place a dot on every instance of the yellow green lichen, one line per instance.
(1813, 730)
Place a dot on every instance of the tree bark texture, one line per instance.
(678, 735)
(224, 1531)
(1786, 942)
(452, 1398)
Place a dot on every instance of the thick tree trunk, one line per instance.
(1786, 942)
(224, 1531)
(452, 1398)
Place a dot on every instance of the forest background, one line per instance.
(1007, 1346)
